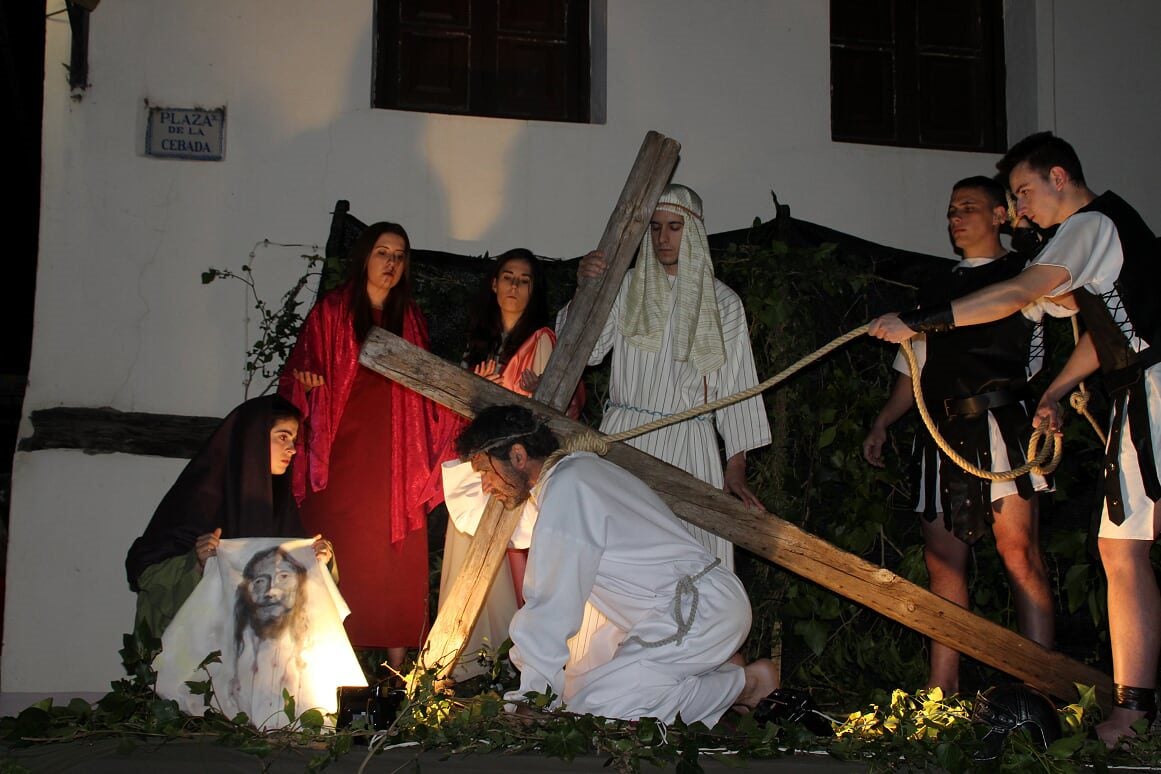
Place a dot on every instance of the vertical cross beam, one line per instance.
(588, 311)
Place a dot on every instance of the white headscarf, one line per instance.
(697, 324)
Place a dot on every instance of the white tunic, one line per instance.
(605, 538)
(645, 386)
(1088, 247)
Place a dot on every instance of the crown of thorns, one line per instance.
(508, 439)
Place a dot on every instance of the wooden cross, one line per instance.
(760, 533)
(699, 503)
(588, 311)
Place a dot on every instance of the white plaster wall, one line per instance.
(68, 602)
(122, 319)
(1107, 88)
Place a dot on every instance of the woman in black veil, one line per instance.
(237, 486)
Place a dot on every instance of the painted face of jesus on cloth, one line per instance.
(274, 613)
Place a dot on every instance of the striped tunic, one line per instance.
(644, 386)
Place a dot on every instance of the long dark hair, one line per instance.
(400, 296)
(496, 428)
(485, 327)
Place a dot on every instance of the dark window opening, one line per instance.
(918, 74)
(502, 58)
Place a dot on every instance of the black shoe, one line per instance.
(790, 705)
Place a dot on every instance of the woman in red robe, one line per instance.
(368, 445)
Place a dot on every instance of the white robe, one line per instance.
(645, 386)
(605, 538)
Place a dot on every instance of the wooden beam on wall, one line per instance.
(106, 431)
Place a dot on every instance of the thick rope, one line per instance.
(746, 394)
(1042, 462)
(1053, 448)
(1079, 398)
(586, 440)
(592, 441)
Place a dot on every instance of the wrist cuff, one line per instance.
(1138, 699)
(932, 319)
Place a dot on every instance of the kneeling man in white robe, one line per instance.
(676, 617)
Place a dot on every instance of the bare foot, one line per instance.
(1119, 726)
(761, 680)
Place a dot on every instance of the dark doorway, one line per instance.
(22, 28)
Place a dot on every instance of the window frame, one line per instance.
(911, 61)
(485, 95)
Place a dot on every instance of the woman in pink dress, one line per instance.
(510, 338)
(509, 343)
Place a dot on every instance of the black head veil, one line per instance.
(227, 484)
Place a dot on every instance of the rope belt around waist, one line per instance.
(978, 404)
(685, 587)
(609, 404)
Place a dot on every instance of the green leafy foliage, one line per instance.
(921, 731)
(930, 731)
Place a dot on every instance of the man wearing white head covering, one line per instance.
(679, 339)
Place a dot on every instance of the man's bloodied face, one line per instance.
(501, 479)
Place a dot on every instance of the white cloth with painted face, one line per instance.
(276, 617)
(605, 538)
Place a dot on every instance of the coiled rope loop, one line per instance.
(1079, 399)
(1042, 460)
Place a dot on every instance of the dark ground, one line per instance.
(102, 757)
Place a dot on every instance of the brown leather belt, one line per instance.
(978, 404)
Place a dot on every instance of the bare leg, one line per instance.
(1017, 532)
(1134, 624)
(946, 557)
